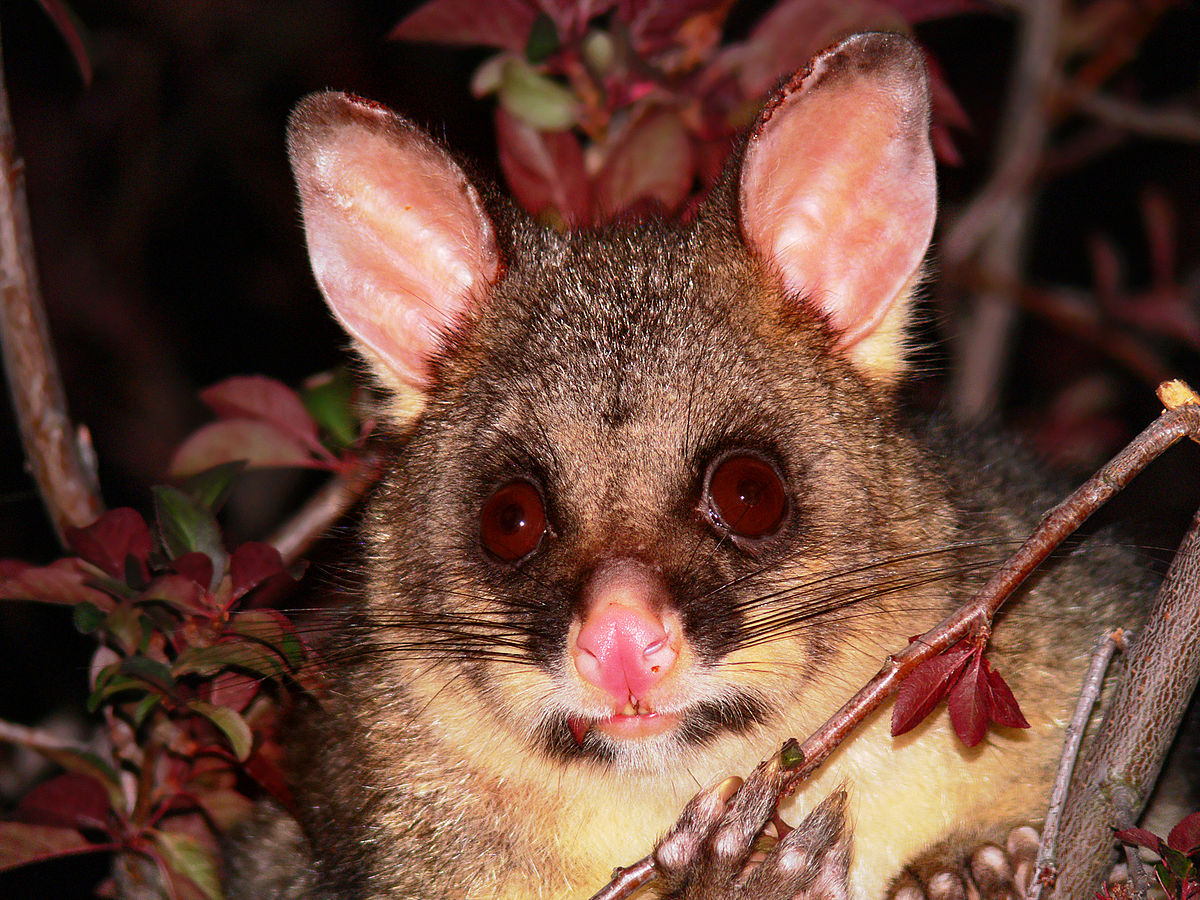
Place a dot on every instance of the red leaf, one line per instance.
(1141, 837)
(195, 565)
(65, 23)
(544, 170)
(264, 767)
(571, 16)
(794, 30)
(915, 11)
(181, 592)
(969, 701)
(21, 844)
(691, 26)
(232, 689)
(260, 444)
(113, 537)
(925, 686)
(1185, 837)
(497, 23)
(253, 563)
(10, 568)
(1002, 705)
(262, 399)
(63, 581)
(651, 161)
(71, 800)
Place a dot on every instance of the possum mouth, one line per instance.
(569, 737)
(626, 724)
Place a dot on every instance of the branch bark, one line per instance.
(60, 461)
(1046, 871)
(294, 538)
(1111, 786)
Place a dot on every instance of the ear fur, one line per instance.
(838, 191)
(398, 237)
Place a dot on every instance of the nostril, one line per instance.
(624, 646)
(623, 650)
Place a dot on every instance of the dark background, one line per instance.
(171, 256)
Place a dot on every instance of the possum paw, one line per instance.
(716, 850)
(971, 870)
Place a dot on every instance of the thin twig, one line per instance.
(1056, 526)
(1180, 124)
(38, 739)
(61, 462)
(995, 225)
(326, 506)
(1046, 870)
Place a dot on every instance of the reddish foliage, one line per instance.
(619, 109)
(71, 800)
(109, 541)
(976, 694)
(251, 564)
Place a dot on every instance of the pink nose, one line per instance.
(623, 647)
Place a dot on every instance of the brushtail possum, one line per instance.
(652, 506)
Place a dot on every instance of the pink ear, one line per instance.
(838, 189)
(398, 238)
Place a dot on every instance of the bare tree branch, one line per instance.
(37, 738)
(294, 538)
(1046, 871)
(994, 227)
(1180, 124)
(60, 461)
(1111, 786)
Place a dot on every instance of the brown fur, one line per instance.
(610, 368)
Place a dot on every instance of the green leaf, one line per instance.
(543, 40)
(126, 625)
(599, 51)
(211, 487)
(186, 856)
(227, 807)
(486, 79)
(186, 526)
(329, 399)
(117, 685)
(230, 724)
(536, 100)
(1179, 864)
(272, 628)
(151, 671)
(145, 706)
(248, 656)
(88, 617)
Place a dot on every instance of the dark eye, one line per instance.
(513, 521)
(747, 496)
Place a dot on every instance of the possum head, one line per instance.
(648, 480)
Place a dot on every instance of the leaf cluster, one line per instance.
(1178, 868)
(186, 678)
(975, 693)
(622, 110)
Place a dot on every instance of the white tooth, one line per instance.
(629, 709)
